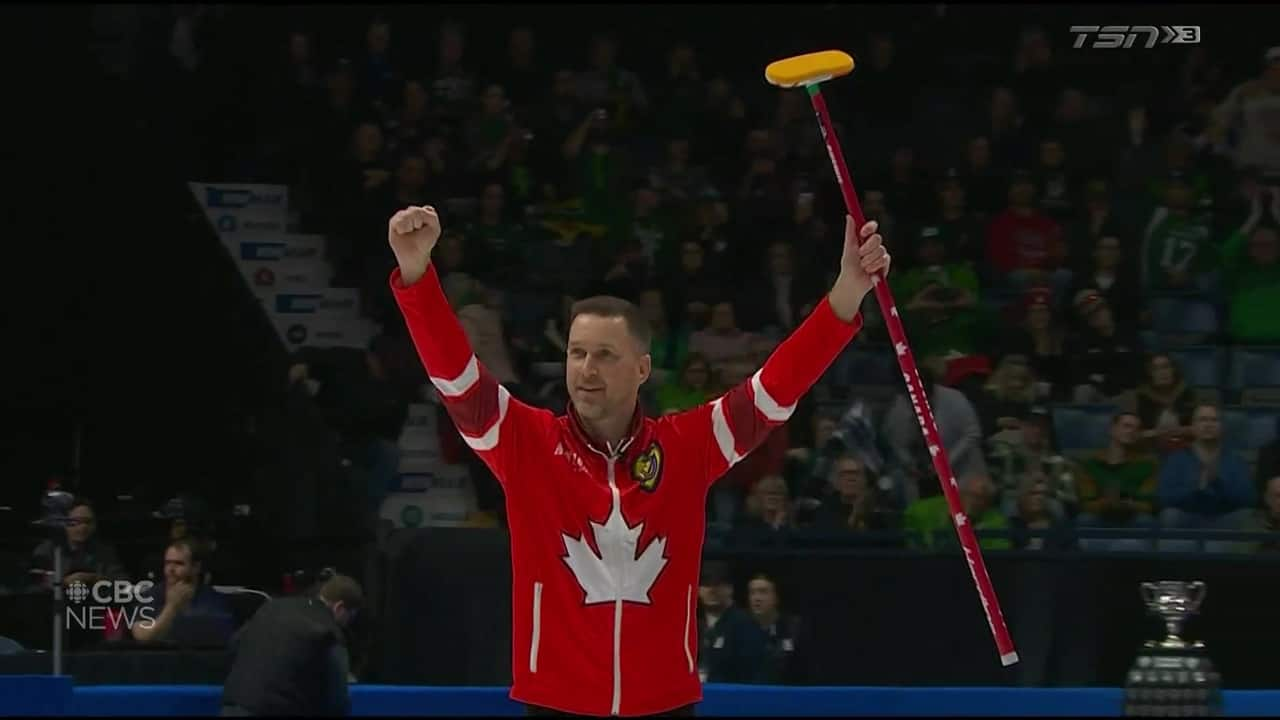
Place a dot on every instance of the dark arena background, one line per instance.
(202, 342)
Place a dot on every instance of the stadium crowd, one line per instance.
(1108, 254)
(1088, 273)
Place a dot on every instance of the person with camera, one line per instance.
(86, 558)
(941, 295)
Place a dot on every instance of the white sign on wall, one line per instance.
(323, 330)
(446, 498)
(243, 208)
(283, 264)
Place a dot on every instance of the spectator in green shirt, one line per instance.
(670, 344)
(1251, 258)
(1176, 250)
(928, 521)
(690, 389)
(941, 299)
(1118, 485)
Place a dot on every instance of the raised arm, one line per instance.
(731, 426)
(491, 422)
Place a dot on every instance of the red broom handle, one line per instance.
(919, 400)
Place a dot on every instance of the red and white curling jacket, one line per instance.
(606, 545)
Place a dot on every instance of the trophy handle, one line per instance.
(1197, 592)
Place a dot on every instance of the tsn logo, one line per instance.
(1117, 36)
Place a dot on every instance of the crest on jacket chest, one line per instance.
(646, 468)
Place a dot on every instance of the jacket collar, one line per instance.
(634, 438)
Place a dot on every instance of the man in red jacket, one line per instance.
(606, 506)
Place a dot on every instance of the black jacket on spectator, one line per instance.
(289, 659)
(1123, 296)
(831, 522)
(786, 644)
(95, 557)
(991, 408)
(1150, 410)
(1053, 369)
(735, 650)
(1112, 364)
(758, 307)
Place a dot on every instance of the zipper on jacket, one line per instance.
(619, 583)
(537, 627)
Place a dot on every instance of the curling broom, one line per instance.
(809, 71)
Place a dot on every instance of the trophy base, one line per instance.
(1173, 678)
(1174, 644)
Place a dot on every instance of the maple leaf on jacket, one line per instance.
(618, 572)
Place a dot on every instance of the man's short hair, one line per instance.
(343, 589)
(1202, 404)
(607, 306)
(198, 550)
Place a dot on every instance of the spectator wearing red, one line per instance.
(1025, 244)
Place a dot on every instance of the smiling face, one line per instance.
(605, 367)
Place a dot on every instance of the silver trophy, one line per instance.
(1174, 601)
(1173, 676)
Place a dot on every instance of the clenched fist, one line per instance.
(413, 232)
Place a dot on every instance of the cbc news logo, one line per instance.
(110, 604)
